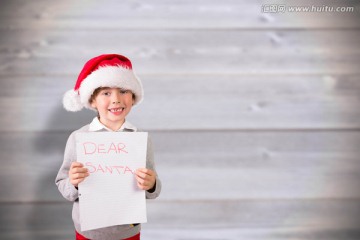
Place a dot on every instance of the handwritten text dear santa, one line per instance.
(109, 195)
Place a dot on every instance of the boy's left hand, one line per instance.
(145, 178)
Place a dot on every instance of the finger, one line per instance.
(140, 180)
(143, 187)
(79, 170)
(144, 182)
(77, 181)
(144, 172)
(140, 186)
(79, 175)
(141, 174)
(76, 164)
(148, 179)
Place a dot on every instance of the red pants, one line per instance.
(81, 237)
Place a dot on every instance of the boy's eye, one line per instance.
(106, 93)
(124, 91)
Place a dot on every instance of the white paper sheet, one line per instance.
(110, 196)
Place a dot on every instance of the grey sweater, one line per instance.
(71, 193)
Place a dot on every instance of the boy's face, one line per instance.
(113, 104)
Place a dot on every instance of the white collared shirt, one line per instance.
(96, 125)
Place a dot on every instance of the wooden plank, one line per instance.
(283, 219)
(195, 102)
(254, 165)
(36, 221)
(113, 15)
(254, 213)
(298, 233)
(14, 86)
(184, 52)
(204, 165)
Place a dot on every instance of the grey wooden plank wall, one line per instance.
(254, 115)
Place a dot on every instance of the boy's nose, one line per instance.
(115, 98)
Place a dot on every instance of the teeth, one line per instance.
(116, 109)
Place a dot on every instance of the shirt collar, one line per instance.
(96, 125)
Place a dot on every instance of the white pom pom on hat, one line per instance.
(107, 70)
(71, 101)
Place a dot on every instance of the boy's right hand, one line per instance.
(77, 173)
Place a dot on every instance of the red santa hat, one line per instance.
(108, 70)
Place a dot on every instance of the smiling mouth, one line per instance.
(116, 110)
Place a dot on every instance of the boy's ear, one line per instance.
(133, 99)
(93, 104)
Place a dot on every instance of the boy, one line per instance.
(108, 85)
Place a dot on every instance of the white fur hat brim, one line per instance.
(106, 76)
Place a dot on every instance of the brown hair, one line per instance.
(95, 93)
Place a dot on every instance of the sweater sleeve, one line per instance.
(62, 179)
(150, 164)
